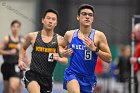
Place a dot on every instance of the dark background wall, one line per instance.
(113, 17)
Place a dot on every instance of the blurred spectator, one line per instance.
(136, 58)
(124, 67)
(99, 74)
(99, 67)
(101, 71)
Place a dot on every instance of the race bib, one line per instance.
(88, 54)
(50, 57)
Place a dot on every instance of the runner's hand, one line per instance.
(89, 43)
(21, 65)
(67, 52)
(56, 56)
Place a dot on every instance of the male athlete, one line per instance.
(9, 48)
(45, 45)
(85, 45)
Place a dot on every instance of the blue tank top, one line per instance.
(82, 60)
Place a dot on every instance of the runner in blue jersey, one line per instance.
(85, 45)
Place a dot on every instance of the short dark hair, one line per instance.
(85, 6)
(15, 21)
(50, 10)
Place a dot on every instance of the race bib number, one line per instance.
(17, 69)
(88, 55)
(50, 57)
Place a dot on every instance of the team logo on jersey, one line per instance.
(11, 45)
(44, 49)
(80, 47)
(53, 42)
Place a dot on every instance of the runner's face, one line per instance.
(15, 28)
(50, 21)
(86, 17)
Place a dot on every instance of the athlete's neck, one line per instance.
(85, 30)
(14, 35)
(47, 32)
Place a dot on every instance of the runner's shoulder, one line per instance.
(70, 32)
(99, 33)
(32, 34)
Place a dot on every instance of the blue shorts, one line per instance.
(87, 83)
